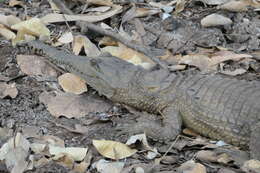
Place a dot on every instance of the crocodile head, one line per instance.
(107, 74)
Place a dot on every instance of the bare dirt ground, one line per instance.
(181, 34)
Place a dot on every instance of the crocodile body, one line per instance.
(214, 106)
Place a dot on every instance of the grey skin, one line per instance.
(214, 106)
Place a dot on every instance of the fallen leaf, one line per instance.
(143, 12)
(180, 5)
(235, 6)
(208, 156)
(13, 3)
(192, 167)
(198, 60)
(72, 83)
(35, 65)
(214, 2)
(222, 56)
(99, 9)
(90, 49)
(204, 62)
(78, 154)
(15, 152)
(71, 105)
(251, 166)
(66, 38)
(54, 7)
(101, 2)
(224, 158)
(104, 166)
(128, 54)
(33, 26)
(8, 21)
(8, 90)
(113, 150)
(215, 20)
(53, 140)
(64, 160)
(8, 34)
(81, 167)
(53, 18)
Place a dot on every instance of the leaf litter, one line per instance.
(74, 106)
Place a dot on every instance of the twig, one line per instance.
(139, 48)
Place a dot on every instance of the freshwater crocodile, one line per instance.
(214, 106)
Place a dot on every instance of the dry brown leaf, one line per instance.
(53, 18)
(81, 167)
(143, 12)
(15, 153)
(53, 140)
(71, 105)
(72, 83)
(222, 56)
(192, 167)
(251, 166)
(35, 65)
(9, 20)
(180, 5)
(90, 48)
(235, 6)
(8, 34)
(215, 20)
(113, 150)
(8, 90)
(99, 9)
(100, 2)
(224, 158)
(214, 2)
(108, 41)
(204, 62)
(13, 3)
(208, 156)
(105, 166)
(197, 60)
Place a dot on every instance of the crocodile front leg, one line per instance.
(163, 128)
(255, 142)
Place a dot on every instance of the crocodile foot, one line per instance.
(151, 125)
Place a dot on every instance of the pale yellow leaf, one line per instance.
(72, 83)
(8, 34)
(33, 27)
(112, 149)
(54, 6)
(89, 47)
(180, 5)
(76, 153)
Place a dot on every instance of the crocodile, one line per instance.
(212, 105)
